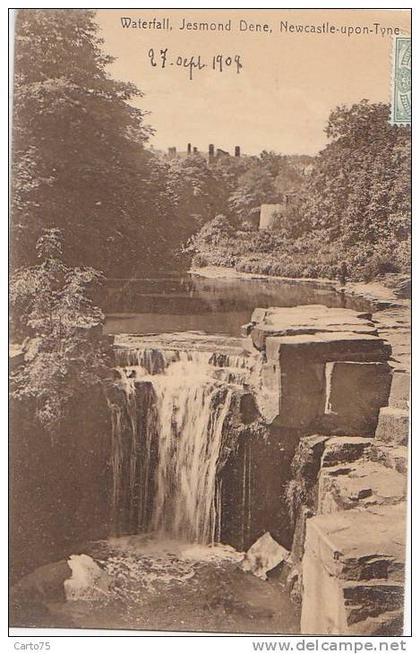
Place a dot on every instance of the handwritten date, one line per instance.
(193, 63)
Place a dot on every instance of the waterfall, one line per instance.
(191, 411)
(168, 433)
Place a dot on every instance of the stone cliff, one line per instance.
(342, 378)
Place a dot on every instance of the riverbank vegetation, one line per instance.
(60, 421)
(351, 205)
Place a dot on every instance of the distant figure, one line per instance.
(343, 273)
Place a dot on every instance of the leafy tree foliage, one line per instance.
(216, 233)
(51, 307)
(255, 187)
(197, 190)
(359, 190)
(231, 186)
(79, 160)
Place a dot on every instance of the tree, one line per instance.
(64, 353)
(359, 189)
(255, 187)
(268, 179)
(79, 160)
(197, 192)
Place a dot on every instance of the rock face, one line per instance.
(353, 572)
(329, 373)
(361, 484)
(45, 582)
(30, 595)
(307, 319)
(344, 450)
(72, 504)
(355, 393)
(350, 536)
(324, 368)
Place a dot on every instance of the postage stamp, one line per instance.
(401, 88)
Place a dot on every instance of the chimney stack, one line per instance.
(211, 152)
(189, 148)
(195, 151)
(237, 150)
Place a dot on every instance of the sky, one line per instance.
(287, 86)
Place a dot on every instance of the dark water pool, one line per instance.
(183, 302)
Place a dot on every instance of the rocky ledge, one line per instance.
(342, 377)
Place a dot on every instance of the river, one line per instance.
(176, 302)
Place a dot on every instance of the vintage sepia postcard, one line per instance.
(210, 320)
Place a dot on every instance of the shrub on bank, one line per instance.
(310, 256)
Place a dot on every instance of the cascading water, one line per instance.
(169, 427)
(191, 411)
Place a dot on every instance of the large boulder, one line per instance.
(264, 555)
(88, 579)
(307, 376)
(299, 364)
(306, 319)
(335, 346)
(44, 583)
(30, 596)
